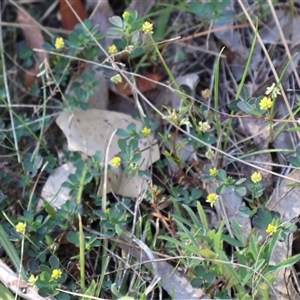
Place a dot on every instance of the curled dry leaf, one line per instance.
(35, 39)
(68, 19)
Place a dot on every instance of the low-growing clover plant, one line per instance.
(202, 249)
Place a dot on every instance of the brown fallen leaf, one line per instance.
(35, 39)
(143, 84)
(68, 19)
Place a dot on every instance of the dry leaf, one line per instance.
(89, 131)
(175, 283)
(53, 191)
(100, 18)
(286, 202)
(68, 19)
(35, 39)
(143, 84)
(232, 203)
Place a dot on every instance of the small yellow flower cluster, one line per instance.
(273, 91)
(116, 79)
(59, 43)
(271, 229)
(212, 198)
(210, 154)
(206, 94)
(125, 15)
(146, 131)
(56, 274)
(204, 126)
(256, 177)
(213, 172)
(112, 49)
(116, 161)
(265, 103)
(271, 94)
(21, 227)
(147, 28)
(32, 280)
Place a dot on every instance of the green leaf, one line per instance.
(5, 293)
(144, 175)
(47, 271)
(235, 243)
(122, 144)
(11, 252)
(271, 246)
(221, 175)
(262, 218)
(202, 10)
(196, 223)
(48, 47)
(73, 237)
(202, 215)
(218, 236)
(253, 247)
(221, 189)
(295, 160)
(233, 105)
(247, 108)
(257, 102)
(122, 133)
(114, 31)
(91, 290)
(200, 271)
(238, 231)
(294, 129)
(197, 282)
(245, 211)
(117, 21)
(190, 249)
(285, 264)
(53, 261)
(207, 253)
(245, 93)
(240, 191)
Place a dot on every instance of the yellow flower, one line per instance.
(213, 172)
(116, 79)
(256, 177)
(271, 229)
(112, 49)
(146, 131)
(125, 15)
(147, 27)
(206, 94)
(209, 154)
(116, 161)
(59, 43)
(273, 91)
(56, 274)
(204, 126)
(21, 227)
(212, 198)
(265, 103)
(32, 280)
